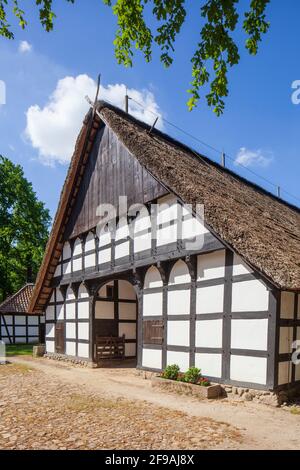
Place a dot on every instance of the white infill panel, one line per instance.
(20, 320)
(21, 339)
(239, 266)
(70, 348)
(153, 278)
(210, 299)
(130, 349)
(127, 329)
(166, 235)
(60, 312)
(70, 330)
(50, 329)
(210, 364)
(127, 311)
(50, 346)
(33, 321)
(8, 319)
(33, 330)
(142, 242)
(286, 339)
(83, 330)
(105, 256)
(90, 260)
(179, 274)
(70, 311)
(59, 296)
(249, 334)
(82, 292)
(20, 331)
(178, 333)
(249, 296)
(152, 304)
(77, 264)
(248, 369)
(122, 250)
(152, 358)
(83, 310)
(284, 372)
(192, 228)
(182, 359)
(179, 302)
(50, 313)
(66, 268)
(126, 291)
(57, 270)
(83, 350)
(287, 305)
(211, 265)
(77, 250)
(209, 333)
(104, 310)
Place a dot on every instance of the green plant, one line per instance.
(204, 382)
(192, 375)
(171, 372)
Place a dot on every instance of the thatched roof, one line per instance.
(261, 228)
(18, 302)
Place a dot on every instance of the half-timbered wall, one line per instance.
(24, 329)
(71, 307)
(205, 320)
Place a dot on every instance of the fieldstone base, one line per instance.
(39, 350)
(276, 398)
(70, 360)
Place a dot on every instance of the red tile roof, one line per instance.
(18, 302)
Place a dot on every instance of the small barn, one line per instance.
(205, 273)
(16, 324)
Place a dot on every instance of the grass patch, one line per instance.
(295, 410)
(19, 350)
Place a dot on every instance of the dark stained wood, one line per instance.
(109, 347)
(111, 171)
(60, 337)
(153, 331)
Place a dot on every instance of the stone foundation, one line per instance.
(276, 398)
(70, 360)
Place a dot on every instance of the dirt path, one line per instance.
(261, 427)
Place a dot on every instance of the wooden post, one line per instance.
(126, 103)
(223, 159)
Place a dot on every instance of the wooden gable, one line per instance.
(111, 171)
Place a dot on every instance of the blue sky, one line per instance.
(260, 125)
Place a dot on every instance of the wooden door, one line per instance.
(60, 337)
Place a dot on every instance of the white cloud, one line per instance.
(53, 129)
(250, 158)
(24, 47)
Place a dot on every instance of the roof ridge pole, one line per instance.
(223, 159)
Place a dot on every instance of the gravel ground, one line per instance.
(38, 413)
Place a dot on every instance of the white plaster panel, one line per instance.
(33, 339)
(182, 359)
(4, 330)
(211, 265)
(142, 222)
(20, 330)
(152, 358)
(179, 302)
(77, 264)
(20, 340)
(104, 310)
(104, 238)
(127, 311)
(70, 311)
(105, 256)
(20, 320)
(239, 266)
(59, 296)
(285, 340)
(42, 319)
(209, 333)
(67, 251)
(90, 243)
(210, 299)
(152, 304)
(122, 250)
(249, 296)
(83, 350)
(166, 235)
(178, 333)
(127, 329)
(284, 372)
(249, 334)
(287, 305)
(167, 209)
(122, 231)
(50, 346)
(77, 250)
(153, 278)
(70, 348)
(50, 330)
(130, 349)
(66, 268)
(83, 310)
(126, 290)
(83, 330)
(57, 271)
(90, 260)
(33, 330)
(179, 274)
(70, 330)
(50, 313)
(33, 321)
(8, 319)
(210, 364)
(192, 228)
(52, 298)
(82, 292)
(70, 294)
(142, 242)
(60, 312)
(248, 369)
